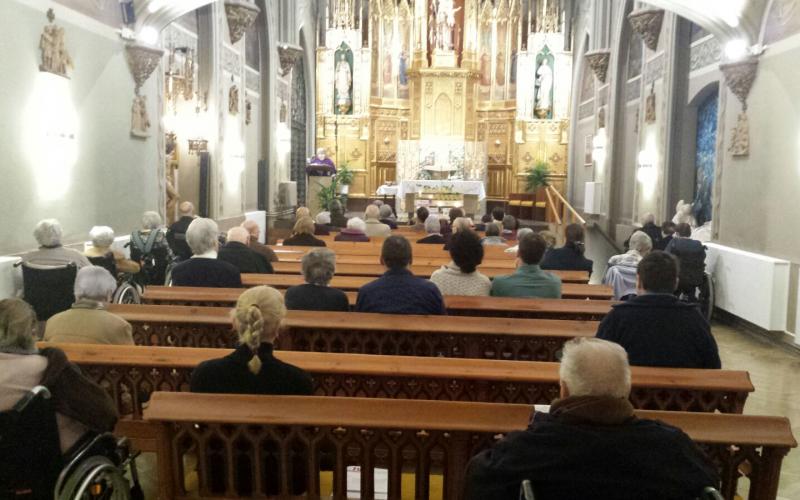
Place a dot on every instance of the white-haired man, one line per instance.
(433, 228)
(203, 268)
(255, 232)
(88, 321)
(590, 444)
(48, 234)
(176, 235)
(235, 251)
(375, 228)
(355, 231)
(102, 238)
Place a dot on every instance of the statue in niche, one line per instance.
(140, 121)
(512, 79)
(343, 83)
(402, 67)
(387, 68)
(248, 110)
(650, 106)
(486, 70)
(173, 196)
(543, 92)
(445, 23)
(55, 58)
(233, 100)
(683, 213)
(500, 70)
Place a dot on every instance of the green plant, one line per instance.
(344, 175)
(536, 177)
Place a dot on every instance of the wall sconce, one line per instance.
(197, 146)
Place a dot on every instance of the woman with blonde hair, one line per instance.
(252, 368)
(303, 234)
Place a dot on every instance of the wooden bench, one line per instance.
(364, 333)
(242, 443)
(373, 248)
(354, 283)
(422, 271)
(510, 265)
(457, 305)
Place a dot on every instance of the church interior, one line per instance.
(624, 134)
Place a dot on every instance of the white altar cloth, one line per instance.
(461, 187)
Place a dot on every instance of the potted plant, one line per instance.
(536, 177)
(344, 177)
(327, 194)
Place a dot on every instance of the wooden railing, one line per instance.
(565, 213)
(259, 446)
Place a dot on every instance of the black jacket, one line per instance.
(653, 231)
(660, 330)
(310, 297)
(433, 239)
(303, 240)
(566, 258)
(244, 258)
(176, 237)
(231, 375)
(662, 243)
(206, 272)
(579, 451)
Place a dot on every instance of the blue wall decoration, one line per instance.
(705, 157)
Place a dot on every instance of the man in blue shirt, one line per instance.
(398, 291)
(528, 280)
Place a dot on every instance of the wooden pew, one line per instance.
(364, 333)
(374, 249)
(437, 437)
(422, 271)
(457, 305)
(437, 262)
(353, 283)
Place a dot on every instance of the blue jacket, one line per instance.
(400, 292)
(566, 258)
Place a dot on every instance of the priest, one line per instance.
(322, 160)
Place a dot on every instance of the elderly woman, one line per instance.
(525, 231)
(252, 368)
(204, 269)
(355, 231)
(102, 238)
(640, 245)
(387, 216)
(149, 247)
(88, 321)
(461, 277)
(319, 266)
(375, 228)
(434, 230)
(48, 234)
(322, 224)
(81, 405)
(493, 235)
(303, 234)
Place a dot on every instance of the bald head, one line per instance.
(239, 234)
(252, 229)
(594, 367)
(186, 209)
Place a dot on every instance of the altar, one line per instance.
(439, 196)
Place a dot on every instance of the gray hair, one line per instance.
(101, 236)
(239, 235)
(357, 224)
(17, 322)
(595, 367)
(48, 233)
(318, 266)
(525, 231)
(201, 235)
(649, 217)
(462, 224)
(432, 224)
(641, 242)
(94, 283)
(151, 220)
(385, 211)
(324, 218)
(372, 212)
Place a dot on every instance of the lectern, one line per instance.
(319, 176)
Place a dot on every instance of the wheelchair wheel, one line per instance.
(95, 478)
(706, 298)
(127, 294)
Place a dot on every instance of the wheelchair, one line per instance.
(701, 294)
(48, 289)
(34, 468)
(128, 291)
(526, 492)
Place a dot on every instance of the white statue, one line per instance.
(140, 120)
(544, 90)
(445, 23)
(683, 213)
(343, 81)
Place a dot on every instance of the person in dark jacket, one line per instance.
(204, 269)
(235, 251)
(355, 231)
(485, 219)
(434, 230)
(387, 216)
(337, 214)
(398, 291)
(657, 329)
(255, 232)
(303, 234)
(418, 223)
(253, 368)
(650, 228)
(318, 266)
(570, 256)
(591, 445)
(176, 235)
(667, 233)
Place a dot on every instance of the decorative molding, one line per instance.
(288, 54)
(175, 36)
(231, 62)
(704, 54)
(598, 61)
(142, 61)
(241, 14)
(647, 24)
(654, 70)
(633, 90)
(739, 77)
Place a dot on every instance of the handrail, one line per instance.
(566, 203)
(552, 205)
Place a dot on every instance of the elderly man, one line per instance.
(591, 444)
(149, 247)
(203, 268)
(655, 327)
(88, 321)
(235, 251)
(375, 228)
(252, 227)
(521, 234)
(102, 238)
(318, 266)
(510, 225)
(398, 291)
(528, 280)
(387, 216)
(434, 230)
(353, 232)
(50, 253)
(176, 235)
(640, 245)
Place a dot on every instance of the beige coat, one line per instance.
(88, 322)
(377, 228)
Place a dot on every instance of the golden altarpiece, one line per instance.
(480, 85)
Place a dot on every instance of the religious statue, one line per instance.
(172, 196)
(500, 70)
(55, 58)
(233, 100)
(343, 81)
(543, 104)
(140, 121)
(486, 70)
(248, 112)
(683, 213)
(740, 142)
(402, 67)
(445, 24)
